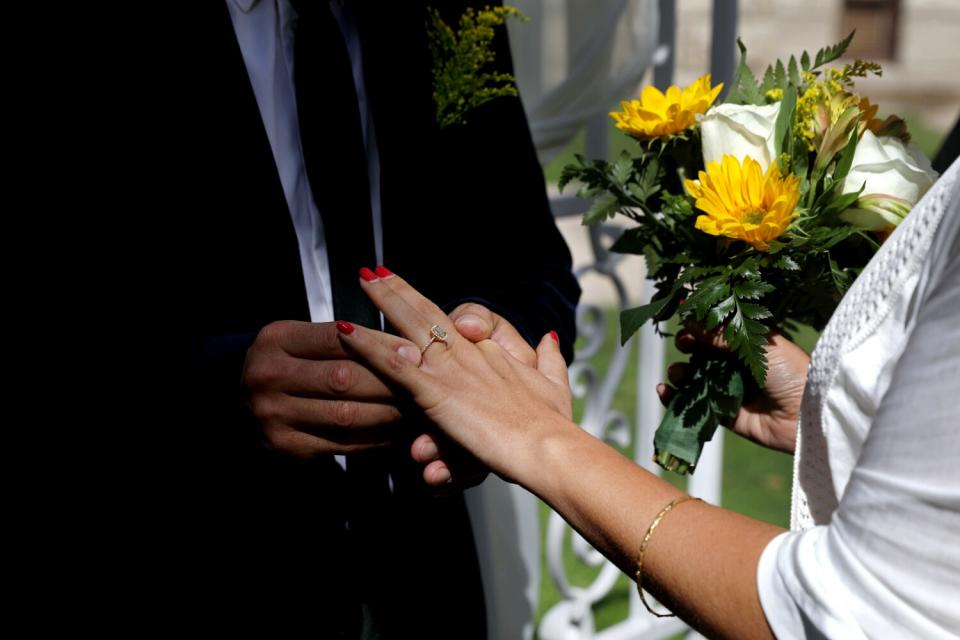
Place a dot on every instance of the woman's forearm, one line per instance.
(701, 561)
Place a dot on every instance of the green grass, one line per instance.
(756, 482)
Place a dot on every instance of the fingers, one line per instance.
(403, 306)
(305, 427)
(474, 322)
(665, 393)
(477, 323)
(322, 415)
(693, 336)
(446, 465)
(550, 360)
(302, 339)
(677, 373)
(457, 475)
(425, 449)
(329, 379)
(395, 361)
(437, 473)
(304, 445)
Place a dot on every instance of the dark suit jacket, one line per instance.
(465, 218)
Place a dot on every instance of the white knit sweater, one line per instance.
(874, 550)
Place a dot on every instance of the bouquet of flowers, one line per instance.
(751, 214)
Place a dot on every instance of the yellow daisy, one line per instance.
(741, 202)
(659, 115)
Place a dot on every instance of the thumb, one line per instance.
(474, 322)
(550, 360)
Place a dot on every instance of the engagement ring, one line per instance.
(437, 334)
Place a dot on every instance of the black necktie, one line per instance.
(336, 163)
(335, 155)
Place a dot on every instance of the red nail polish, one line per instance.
(367, 275)
(345, 327)
(556, 338)
(383, 272)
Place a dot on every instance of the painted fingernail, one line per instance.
(410, 353)
(345, 327)
(383, 272)
(674, 370)
(556, 338)
(367, 275)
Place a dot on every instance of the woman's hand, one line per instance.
(478, 394)
(770, 417)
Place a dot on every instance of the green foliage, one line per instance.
(745, 89)
(712, 396)
(778, 78)
(793, 72)
(829, 54)
(620, 186)
(460, 81)
(783, 134)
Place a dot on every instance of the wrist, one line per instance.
(545, 460)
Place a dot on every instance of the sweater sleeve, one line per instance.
(888, 563)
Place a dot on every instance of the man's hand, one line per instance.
(311, 398)
(444, 461)
(475, 323)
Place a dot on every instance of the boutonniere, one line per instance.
(462, 61)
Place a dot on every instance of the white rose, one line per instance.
(889, 168)
(739, 130)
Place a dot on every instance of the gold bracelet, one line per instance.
(643, 549)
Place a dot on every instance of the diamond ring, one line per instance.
(437, 334)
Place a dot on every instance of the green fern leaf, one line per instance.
(829, 54)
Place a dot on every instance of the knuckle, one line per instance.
(396, 362)
(260, 374)
(275, 333)
(341, 378)
(252, 373)
(265, 410)
(344, 413)
(277, 439)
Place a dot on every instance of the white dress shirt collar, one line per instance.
(246, 5)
